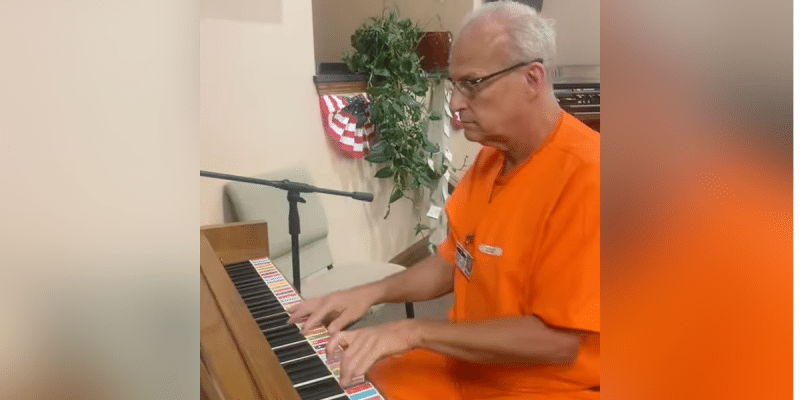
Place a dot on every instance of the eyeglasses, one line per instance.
(470, 87)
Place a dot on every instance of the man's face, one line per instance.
(493, 114)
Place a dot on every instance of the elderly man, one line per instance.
(522, 253)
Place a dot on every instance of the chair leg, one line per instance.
(410, 310)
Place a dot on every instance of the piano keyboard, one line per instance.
(267, 295)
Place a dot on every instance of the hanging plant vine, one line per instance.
(385, 51)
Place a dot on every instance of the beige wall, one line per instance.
(577, 30)
(98, 163)
(259, 113)
(335, 21)
(577, 23)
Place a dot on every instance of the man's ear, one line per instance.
(536, 74)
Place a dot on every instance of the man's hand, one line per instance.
(344, 307)
(363, 347)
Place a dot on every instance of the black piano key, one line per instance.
(256, 300)
(319, 390)
(287, 339)
(294, 351)
(265, 312)
(236, 274)
(247, 279)
(250, 292)
(273, 321)
(262, 312)
(264, 292)
(255, 282)
(238, 265)
(283, 335)
(260, 303)
(299, 377)
(285, 330)
(306, 369)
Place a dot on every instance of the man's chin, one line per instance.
(471, 133)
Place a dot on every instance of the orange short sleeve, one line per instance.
(447, 249)
(564, 288)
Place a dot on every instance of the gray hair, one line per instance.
(530, 35)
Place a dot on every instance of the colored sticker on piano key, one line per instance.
(321, 336)
(291, 303)
(283, 292)
(282, 286)
(364, 395)
(358, 388)
(318, 331)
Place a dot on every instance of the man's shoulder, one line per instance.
(577, 141)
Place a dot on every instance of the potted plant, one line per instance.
(385, 51)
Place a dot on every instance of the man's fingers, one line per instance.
(334, 343)
(314, 321)
(297, 312)
(361, 358)
(339, 323)
(357, 359)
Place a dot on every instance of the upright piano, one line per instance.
(247, 350)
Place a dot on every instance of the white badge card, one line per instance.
(463, 260)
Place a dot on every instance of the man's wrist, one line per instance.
(375, 292)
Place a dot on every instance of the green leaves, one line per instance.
(384, 172)
(385, 51)
(430, 147)
(420, 227)
(378, 158)
(396, 195)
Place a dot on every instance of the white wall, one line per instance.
(335, 21)
(98, 162)
(577, 30)
(577, 23)
(259, 112)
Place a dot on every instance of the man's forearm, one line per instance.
(511, 340)
(429, 279)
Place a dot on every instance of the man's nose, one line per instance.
(458, 101)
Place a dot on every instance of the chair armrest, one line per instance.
(413, 254)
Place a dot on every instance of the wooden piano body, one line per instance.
(236, 362)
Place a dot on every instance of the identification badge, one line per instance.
(463, 260)
(491, 250)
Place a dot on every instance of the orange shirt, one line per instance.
(535, 243)
(534, 236)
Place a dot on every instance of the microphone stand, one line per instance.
(294, 189)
